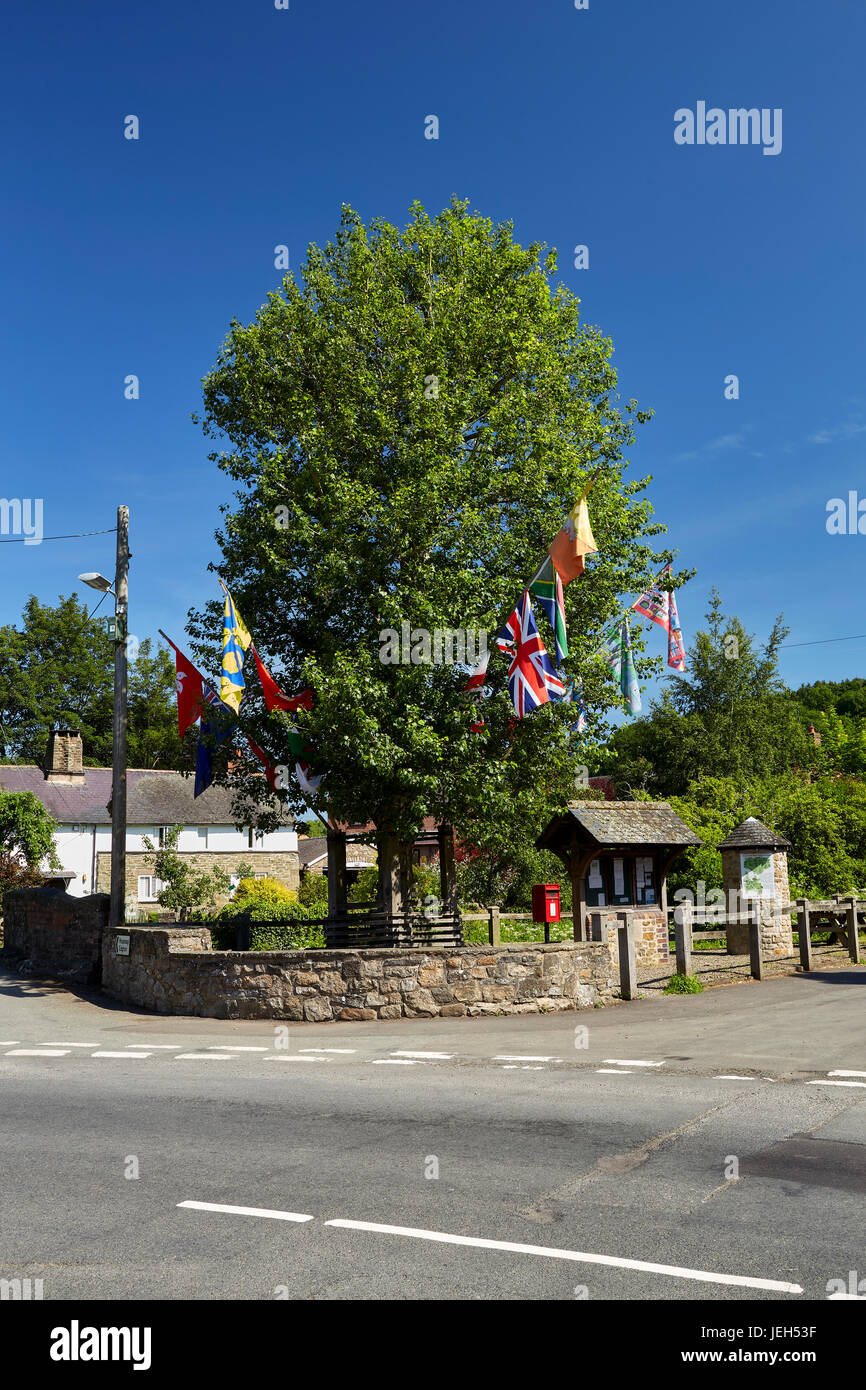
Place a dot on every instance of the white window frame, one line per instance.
(161, 831)
(153, 882)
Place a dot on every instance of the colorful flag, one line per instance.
(572, 542)
(654, 603)
(236, 639)
(532, 680)
(188, 683)
(611, 648)
(210, 732)
(301, 750)
(628, 679)
(478, 673)
(676, 650)
(547, 588)
(574, 696)
(270, 768)
(274, 697)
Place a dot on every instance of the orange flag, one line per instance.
(572, 542)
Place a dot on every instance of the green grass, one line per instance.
(683, 984)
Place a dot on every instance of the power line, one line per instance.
(72, 536)
(820, 642)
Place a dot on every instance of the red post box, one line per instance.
(545, 902)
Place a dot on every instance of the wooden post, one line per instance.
(595, 927)
(627, 967)
(804, 934)
(494, 931)
(337, 887)
(853, 937)
(117, 899)
(755, 958)
(447, 872)
(683, 937)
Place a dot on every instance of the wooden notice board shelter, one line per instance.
(617, 854)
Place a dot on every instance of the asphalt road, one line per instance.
(708, 1147)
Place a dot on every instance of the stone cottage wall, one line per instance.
(282, 865)
(172, 970)
(776, 926)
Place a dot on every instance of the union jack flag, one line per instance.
(532, 680)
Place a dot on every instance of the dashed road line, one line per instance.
(347, 1050)
(247, 1211)
(626, 1062)
(846, 1073)
(121, 1054)
(515, 1057)
(223, 1048)
(732, 1076)
(392, 1062)
(202, 1057)
(612, 1071)
(39, 1052)
(432, 1056)
(292, 1057)
(861, 1084)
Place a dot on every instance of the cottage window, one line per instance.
(148, 888)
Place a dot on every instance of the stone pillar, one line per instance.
(776, 932)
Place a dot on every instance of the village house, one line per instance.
(78, 798)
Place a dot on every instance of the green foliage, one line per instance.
(26, 830)
(505, 878)
(683, 984)
(313, 892)
(59, 673)
(262, 900)
(185, 889)
(728, 717)
(365, 889)
(424, 407)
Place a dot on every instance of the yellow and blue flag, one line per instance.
(236, 639)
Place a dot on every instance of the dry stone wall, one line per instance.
(172, 970)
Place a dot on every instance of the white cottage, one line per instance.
(78, 798)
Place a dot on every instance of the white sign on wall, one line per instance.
(757, 876)
(121, 945)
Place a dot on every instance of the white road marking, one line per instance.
(238, 1049)
(731, 1076)
(328, 1049)
(509, 1057)
(293, 1058)
(611, 1071)
(202, 1057)
(525, 1068)
(846, 1073)
(578, 1256)
(122, 1054)
(67, 1044)
(39, 1052)
(392, 1062)
(435, 1056)
(625, 1062)
(157, 1047)
(837, 1083)
(247, 1211)
(10, 1042)
(512, 1066)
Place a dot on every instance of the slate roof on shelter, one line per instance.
(614, 824)
(152, 798)
(753, 834)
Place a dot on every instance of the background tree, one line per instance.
(407, 429)
(184, 888)
(59, 673)
(26, 841)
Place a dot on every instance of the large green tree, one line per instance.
(406, 428)
(59, 673)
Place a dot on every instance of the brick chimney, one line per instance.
(65, 758)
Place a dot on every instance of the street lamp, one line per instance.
(117, 908)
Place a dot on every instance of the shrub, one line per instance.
(278, 920)
(313, 892)
(262, 900)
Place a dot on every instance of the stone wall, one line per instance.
(279, 864)
(172, 970)
(651, 944)
(48, 931)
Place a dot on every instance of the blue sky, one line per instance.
(256, 124)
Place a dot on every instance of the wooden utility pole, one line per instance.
(117, 910)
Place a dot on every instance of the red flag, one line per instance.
(274, 697)
(190, 690)
(270, 768)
